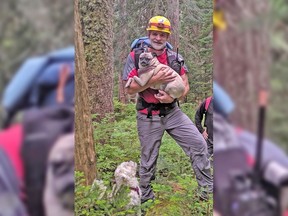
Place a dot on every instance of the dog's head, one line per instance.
(126, 170)
(145, 59)
(132, 166)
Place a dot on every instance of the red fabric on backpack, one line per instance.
(207, 103)
(11, 140)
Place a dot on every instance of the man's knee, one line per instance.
(201, 162)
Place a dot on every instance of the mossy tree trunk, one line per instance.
(97, 28)
(85, 156)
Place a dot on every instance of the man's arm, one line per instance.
(163, 97)
(186, 84)
(160, 77)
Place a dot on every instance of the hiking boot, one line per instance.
(203, 196)
(145, 205)
(203, 193)
(151, 200)
(143, 212)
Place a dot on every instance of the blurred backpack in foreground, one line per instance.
(41, 129)
(38, 110)
(38, 82)
(255, 181)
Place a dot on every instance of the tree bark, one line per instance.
(173, 11)
(85, 155)
(122, 96)
(241, 58)
(97, 18)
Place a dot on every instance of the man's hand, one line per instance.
(163, 97)
(204, 134)
(162, 76)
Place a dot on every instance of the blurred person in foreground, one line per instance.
(38, 108)
(239, 187)
(250, 174)
(206, 109)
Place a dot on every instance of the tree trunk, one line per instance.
(241, 58)
(173, 11)
(85, 156)
(122, 96)
(96, 19)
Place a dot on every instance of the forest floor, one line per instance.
(175, 186)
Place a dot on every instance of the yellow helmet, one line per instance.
(218, 17)
(219, 21)
(159, 23)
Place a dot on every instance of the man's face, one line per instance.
(158, 39)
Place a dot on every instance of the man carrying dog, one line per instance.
(158, 112)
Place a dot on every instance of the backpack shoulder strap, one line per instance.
(137, 53)
(173, 62)
(207, 103)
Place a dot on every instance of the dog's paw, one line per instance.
(128, 83)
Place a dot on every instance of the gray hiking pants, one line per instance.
(185, 133)
(210, 147)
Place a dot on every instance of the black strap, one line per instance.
(137, 53)
(162, 107)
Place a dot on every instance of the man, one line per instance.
(206, 108)
(158, 112)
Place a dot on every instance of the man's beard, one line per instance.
(158, 46)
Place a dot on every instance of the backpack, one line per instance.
(41, 128)
(10, 202)
(139, 45)
(35, 83)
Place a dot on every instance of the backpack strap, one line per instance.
(207, 103)
(174, 61)
(137, 53)
(144, 41)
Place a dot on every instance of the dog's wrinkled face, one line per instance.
(145, 59)
(132, 165)
(126, 170)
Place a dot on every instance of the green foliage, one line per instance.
(277, 111)
(196, 41)
(175, 185)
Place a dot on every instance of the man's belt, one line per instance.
(162, 107)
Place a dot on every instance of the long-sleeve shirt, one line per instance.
(208, 121)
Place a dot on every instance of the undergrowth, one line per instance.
(175, 185)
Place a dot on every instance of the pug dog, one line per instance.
(150, 66)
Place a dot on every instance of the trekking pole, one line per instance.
(260, 134)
